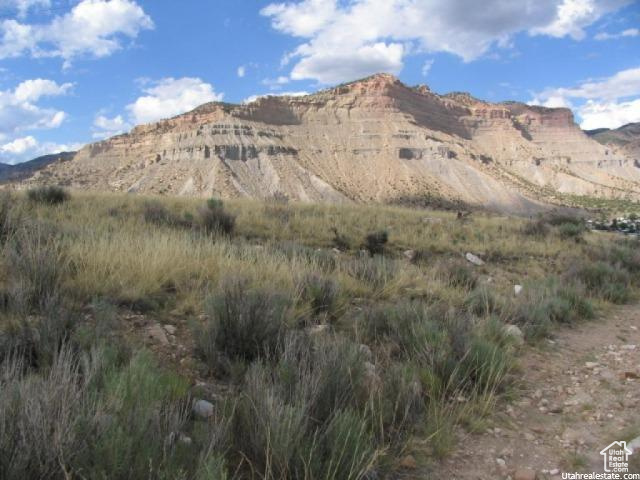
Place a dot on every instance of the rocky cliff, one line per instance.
(371, 140)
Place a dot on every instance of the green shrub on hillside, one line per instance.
(244, 323)
(214, 219)
(375, 242)
(321, 292)
(541, 306)
(603, 280)
(49, 195)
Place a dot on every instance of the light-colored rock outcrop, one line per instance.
(372, 140)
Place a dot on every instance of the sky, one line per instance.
(78, 71)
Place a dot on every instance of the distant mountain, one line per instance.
(27, 169)
(372, 140)
(625, 139)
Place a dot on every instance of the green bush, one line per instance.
(450, 354)
(306, 416)
(140, 407)
(48, 195)
(407, 327)
(623, 254)
(85, 416)
(541, 306)
(536, 228)
(571, 230)
(244, 323)
(568, 226)
(375, 242)
(603, 280)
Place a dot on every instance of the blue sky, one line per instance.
(76, 71)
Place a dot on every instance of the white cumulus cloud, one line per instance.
(426, 67)
(92, 27)
(630, 32)
(171, 96)
(346, 40)
(609, 114)
(242, 71)
(23, 6)
(19, 145)
(19, 110)
(26, 148)
(32, 90)
(107, 127)
(572, 16)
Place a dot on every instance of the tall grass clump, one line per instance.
(48, 195)
(9, 218)
(306, 416)
(602, 280)
(451, 354)
(140, 408)
(376, 272)
(482, 301)
(243, 323)
(541, 306)
(42, 418)
(87, 416)
(566, 225)
(536, 228)
(322, 293)
(459, 275)
(623, 254)
(214, 218)
(318, 259)
(37, 263)
(156, 213)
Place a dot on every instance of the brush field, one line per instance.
(171, 338)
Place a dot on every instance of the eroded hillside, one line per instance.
(371, 140)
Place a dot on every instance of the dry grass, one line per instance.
(116, 254)
(411, 349)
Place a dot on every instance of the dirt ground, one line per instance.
(579, 392)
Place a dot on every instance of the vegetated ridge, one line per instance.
(24, 170)
(625, 139)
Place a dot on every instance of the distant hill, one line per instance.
(26, 169)
(625, 138)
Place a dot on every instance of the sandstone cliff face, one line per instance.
(372, 140)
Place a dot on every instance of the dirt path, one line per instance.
(580, 393)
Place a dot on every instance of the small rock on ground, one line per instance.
(474, 259)
(202, 408)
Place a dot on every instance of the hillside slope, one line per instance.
(26, 169)
(371, 140)
(625, 139)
